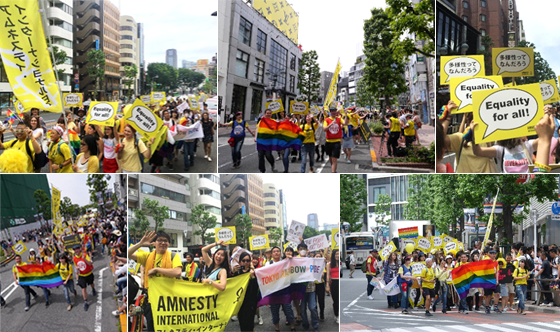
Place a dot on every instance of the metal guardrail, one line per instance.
(540, 291)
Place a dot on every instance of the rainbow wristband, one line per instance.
(443, 112)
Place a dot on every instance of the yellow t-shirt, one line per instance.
(59, 158)
(15, 270)
(469, 163)
(65, 271)
(130, 160)
(428, 274)
(92, 164)
(72, 126)
(19, 145)
(520, 273)
(409, 131)
(355, 120)
(142, 257)
(395, 125)
(309, 132)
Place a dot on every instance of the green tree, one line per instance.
(364, 97)
(204, 222)
(383, 210)
(420, 197)
(309, 232)
(158, 212)
(243, 229)
(66, 206)
(97, 183)
(275, 237)
(384, 71)
(139, 225)
(309, 77)
(543, 71)
(411, 23)
(189, 77)
(208, 87)
(487, 43)
(353, 197)
(162, 74)
(96, 67)
(130, 73)
(43, 203)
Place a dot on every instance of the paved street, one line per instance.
(56, 317)
(328, 325)
(361, 314)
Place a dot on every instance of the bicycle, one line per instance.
(137, 310)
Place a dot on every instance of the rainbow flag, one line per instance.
(283, 296)
(481, 274)
(12, 117)
(276, 136)
(408, 233)
(74, 140)
(45, 275)
(194, 272)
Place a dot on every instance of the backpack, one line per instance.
(39, 159)
(401, 152)
(529, 264)
(404, 281)
(140, 156)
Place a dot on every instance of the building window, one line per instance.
(63, 42)
(129, 46)
(292, 83)
(278, 62)
(482, 32)
(482, 18)
(272, 203)
(270, 195)
(465, 18)
(261, 41)
(126, 37)
(482, 3)
(238, 99)
(292, 61)
(209, 192)
(465, 4)
(177, 215)
(245, 31)
(259, 71)
(210, 177)
(213, 209)
(163, 193)
(241, 64)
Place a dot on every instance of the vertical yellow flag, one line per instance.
(55, 201)
(331, 95)
(27, 62)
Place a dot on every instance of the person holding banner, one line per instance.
(371, 262)
(217, 266)
(390, 271)
(24, 142)
(27, 289)
(87, 161)
(286, 307)
(248, 309)
(129, 149)
(492, 292)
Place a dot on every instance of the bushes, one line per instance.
(376, 127)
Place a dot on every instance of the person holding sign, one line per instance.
(129, 150)
(86, 161)
(390, 271)
(286, 307)
(217, 266)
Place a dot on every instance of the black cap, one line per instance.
(77, 246)
(373, 250)
(492, 252)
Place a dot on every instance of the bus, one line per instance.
(360, 244)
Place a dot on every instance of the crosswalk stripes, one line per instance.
(505, 327)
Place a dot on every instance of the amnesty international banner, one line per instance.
(179, 305)
(55, 201)
(331, 95)
(27, 61)
(281, 15)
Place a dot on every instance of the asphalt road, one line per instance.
(361, 314)
(328, 325)
(98, 318)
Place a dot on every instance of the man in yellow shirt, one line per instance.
(26, 289)
(60, 156)
(495, 292)
(409, 131)
(24, 142)
(157, 264)
(463, 309)
(395, 132)
(428, 277)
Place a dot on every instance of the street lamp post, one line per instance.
(274, 74)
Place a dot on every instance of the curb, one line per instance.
(544, 310)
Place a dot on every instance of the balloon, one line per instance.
(409, 247)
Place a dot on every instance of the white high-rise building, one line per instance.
(60, 27)
(130, 51)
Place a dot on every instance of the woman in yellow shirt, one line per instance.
(86, 161)
(67, 274)
(428, 278)
(60, 156)
(520, 276)
(129, 148)
(308, 146)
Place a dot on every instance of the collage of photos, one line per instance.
(184, 114)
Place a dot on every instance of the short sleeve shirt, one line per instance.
(142, 257)
(428, 274)
(130, 160)
(18, 145)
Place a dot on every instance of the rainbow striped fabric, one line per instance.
(45, 275)
(74, 140)
(283, 296)
(481, 274)
(192, 272)
(12, 117)
(276, 136)
(408, 233)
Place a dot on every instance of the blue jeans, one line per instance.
(463, 305)
(369, 286)
(309, 302)
(286, 159)
(392, 300)
(68, 289)
(275, 311)
(189, 154)
(236, 149)
(404, 298)
(27, 290)
(521, 295)
(45, 293)
(443, 296)
(121, 283)
(307, 148)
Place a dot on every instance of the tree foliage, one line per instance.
(43, 203)
(275, 237)
(162, 74)
(96, 67)
(189, 77)
(139, 225)
(66, 206)
(204, 222)
(410, 23)
(543, 71)
(130, 73)
(353, 196)
(383, 210)
(157, 212)
(243, 229)
(97, 183)
(59, 58)
(309, 77)
(364, 97)
(384, 70)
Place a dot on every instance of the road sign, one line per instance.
(77, 76)
(555, 208)
(77, 86)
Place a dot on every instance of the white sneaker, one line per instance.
(542, 305)
(260, 321)
(209, 159)
(234, 318)
(205, 156)
(550, 304)
(337, 320)
(370, 297)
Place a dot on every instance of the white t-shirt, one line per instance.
(109, 148)
(40, 138)
(555, 261)
(514, 160)
(82, 167)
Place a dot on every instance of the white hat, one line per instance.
(448, 257)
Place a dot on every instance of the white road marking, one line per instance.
(499, 328)
(430, 328)
(548, 325)
(354, 302)
(10, 293)
(462, 328)
(527, 326)
(98, 309)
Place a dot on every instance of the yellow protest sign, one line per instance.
(451, 246)
(193, 103)
(226, 234)
(141, 118)
(406, 241)
(331, 94)
(389, 248)
(179, 305)
(259, 242)
(26, 60)
(491, 219)
(275, 106)
(335, 238)
(73, 99)
(102, 113)
(509, 85)
(19, 248)
(160, 139)
(292, 245)
(202, 97)
(437, 241)
(299, 107)
(461, 89)
(507, 112)
(460, 66)
(549, 91)
(55, 201)
(424, 244)
(158, 96)
(146, 99)
(513, 61)
(281, 15)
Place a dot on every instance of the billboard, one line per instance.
(281, 15)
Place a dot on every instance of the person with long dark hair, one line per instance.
(217, 266)
(86, 161)
(248, 309)
(320, 291)
(333, 275)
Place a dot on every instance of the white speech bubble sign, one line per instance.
(258, 241)
(18, 247)
(193, 103)
(465, 89)
(437, 241)
(144, 119)
(547, 90)
(424, 244)
(508, 109)
(461, 67)
(158, 96)
(72, 99)
(225, 234)
(101, 112)
(20, 107)
(450, 246)
(447, 239)
(337, 239)
(387, 250)
(512, 61)
(274, 106)
(298, 107)
(146, 99)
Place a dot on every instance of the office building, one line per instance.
(243, 194)
(313, 221)
(60, 25)
(272, 207)
(326, 77)
(130, 52)
(171, 57)
(283, 210)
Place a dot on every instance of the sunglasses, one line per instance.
(19, 131)
(246, 261)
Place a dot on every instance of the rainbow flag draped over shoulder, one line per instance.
(276, 136)
(74, 140)
(481, 274)
(45, 275)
